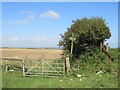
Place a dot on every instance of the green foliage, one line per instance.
(88, 33)
(87, 64)
(87, 59)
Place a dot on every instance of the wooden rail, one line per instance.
(13, 59)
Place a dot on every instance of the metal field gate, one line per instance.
(44, 68)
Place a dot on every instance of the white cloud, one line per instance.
(14, 39)
(24, 39)
(19, 22)
(50, 14)
(17, 39)
(42, 41)
(24, 21)
(35, 41)
(39, 39)
(25, 12)
(31, 17)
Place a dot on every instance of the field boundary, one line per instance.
(39, 67)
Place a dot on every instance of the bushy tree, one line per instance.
(88, 34)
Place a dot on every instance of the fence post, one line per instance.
(6, 68)
(67, 65)
(42, 66)
(23, 67)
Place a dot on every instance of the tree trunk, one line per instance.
(106, 47)
(101, 45)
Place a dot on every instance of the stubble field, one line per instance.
(31, 53)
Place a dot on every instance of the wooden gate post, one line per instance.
(67, 64)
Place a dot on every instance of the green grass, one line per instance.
(89, 79)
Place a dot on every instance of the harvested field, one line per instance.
(32, 53)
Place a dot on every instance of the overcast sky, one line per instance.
(39, 24)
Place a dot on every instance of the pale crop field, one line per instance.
(31, 53)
